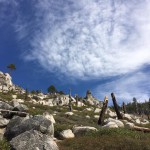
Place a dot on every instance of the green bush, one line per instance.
(4, 145)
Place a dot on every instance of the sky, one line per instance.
(79, 44)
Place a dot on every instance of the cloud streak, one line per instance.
(127, 87)
(90, 39)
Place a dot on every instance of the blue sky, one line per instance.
(98, 45)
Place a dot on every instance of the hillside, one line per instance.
(57, 121)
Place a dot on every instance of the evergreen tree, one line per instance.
(51, 89)
(11, 67)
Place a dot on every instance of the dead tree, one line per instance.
(135, 105)
(116, 106)
(76, 100)
(102, 113)
(149, 109)
(124, 107)
(26, 94)
(18, 113)
(70, 104)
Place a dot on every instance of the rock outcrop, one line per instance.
(91, 100)
(33, 140)
(6, 84)
(19, 125)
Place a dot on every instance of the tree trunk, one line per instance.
(116, 106)
(102, 113)
(124, 108)
(141, 129)
(19, 113)
(77, 100)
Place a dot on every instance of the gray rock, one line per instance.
(129, 125)
(19, 125)
(110, 125)
(49, 117)
(66, 134)
(21, 107)
(6, 106)
(117, 122)
(80, 130)
(33, 140)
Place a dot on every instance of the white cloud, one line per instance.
(91, 39)
(127, 87)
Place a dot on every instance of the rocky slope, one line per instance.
(41, 121)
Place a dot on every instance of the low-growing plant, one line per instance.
(4, 145)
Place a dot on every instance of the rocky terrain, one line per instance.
(38, 121)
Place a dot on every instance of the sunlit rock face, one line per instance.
(92, 100)
(6, 84)
(5, 79)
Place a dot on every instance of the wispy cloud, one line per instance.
(127, 87)
(90, 39)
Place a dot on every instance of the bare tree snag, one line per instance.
(76, 100)
(124, 107)
(116, 106)
(70, 104)
(21, 114)
(102, 113)
(136, 128)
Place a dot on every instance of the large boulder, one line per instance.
(19, 125)
(110, 125)
(144, 121)
(129, 125)
(17, 101)
(33, 140)
(138, 121)
(110, 113)
(117, 122)
(49, 117)
(80, 130)
(66, 134)
(80, 104)
(4, 105)
(21, 108)
(127, 117)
